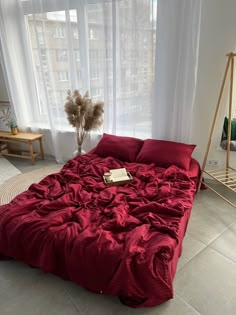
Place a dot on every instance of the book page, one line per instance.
(119, 174)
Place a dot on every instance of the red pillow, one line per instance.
(121, 148)
(166, 153)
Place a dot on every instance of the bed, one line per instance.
(117, 240)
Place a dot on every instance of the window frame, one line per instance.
(43, 6)
(84, 38)
(63, 76)
(30, 8)
(60, 32)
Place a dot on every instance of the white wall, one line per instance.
(218, 37)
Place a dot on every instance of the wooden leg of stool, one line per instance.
(41, 148)
(31, 151)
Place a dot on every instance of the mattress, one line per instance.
(118, 240)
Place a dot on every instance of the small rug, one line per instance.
(19, 183)
(7, 170)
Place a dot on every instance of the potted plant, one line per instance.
(13, 126)
(9, 120)
(83, 114)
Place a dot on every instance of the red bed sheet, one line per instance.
(118, 240)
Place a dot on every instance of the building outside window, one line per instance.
(39, 34)
(91, 62)
(43, 56)
(63, 76)
(77, 55)
(62, 55)
(75, 33)
(93, 33)
(59, 32)
(94, 73)
(96, 92)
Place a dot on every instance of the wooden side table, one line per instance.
(21, 138)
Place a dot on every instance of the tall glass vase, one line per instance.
(79, 148)
(80, 136)
(79, 151)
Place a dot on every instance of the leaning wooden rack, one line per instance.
(227, 175)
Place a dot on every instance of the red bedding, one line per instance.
(119, 240)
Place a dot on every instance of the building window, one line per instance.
(59, 32)
(43, 55)
(46, 77)
(63, 76)
(61, 96)
(92, 34)
(77, 55)
(62, 55)
(78, 75)
(94, 74)
(39, 34)
(108, 54)
(96, 92)
(75, 33)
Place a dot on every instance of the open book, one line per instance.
(119, 174)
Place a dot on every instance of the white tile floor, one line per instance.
(205, 282)
(7, 170)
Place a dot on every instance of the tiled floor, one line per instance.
(205, 282)
(25, 165)
(7, 170)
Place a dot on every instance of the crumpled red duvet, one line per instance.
(119, 240)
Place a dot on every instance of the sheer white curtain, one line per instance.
(108, 48)
(178, 31)
(105, 47)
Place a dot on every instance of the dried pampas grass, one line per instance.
(83, 114)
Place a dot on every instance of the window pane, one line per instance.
(133, 64)
(54, 41)
(115, 64)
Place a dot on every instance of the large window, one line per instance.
(89, 46)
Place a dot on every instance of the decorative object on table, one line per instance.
(118, 176)
(13, 126)
(83, 114)
(8, 118)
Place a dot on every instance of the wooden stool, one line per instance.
(21, 138)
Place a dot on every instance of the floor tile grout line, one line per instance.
(222, 255)
(233, 223)
(187, 303)
(220, 234)
(192, 258)
(74, 304)
(211, 240)
(189, 233)
(196, 238)
(207, 246)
